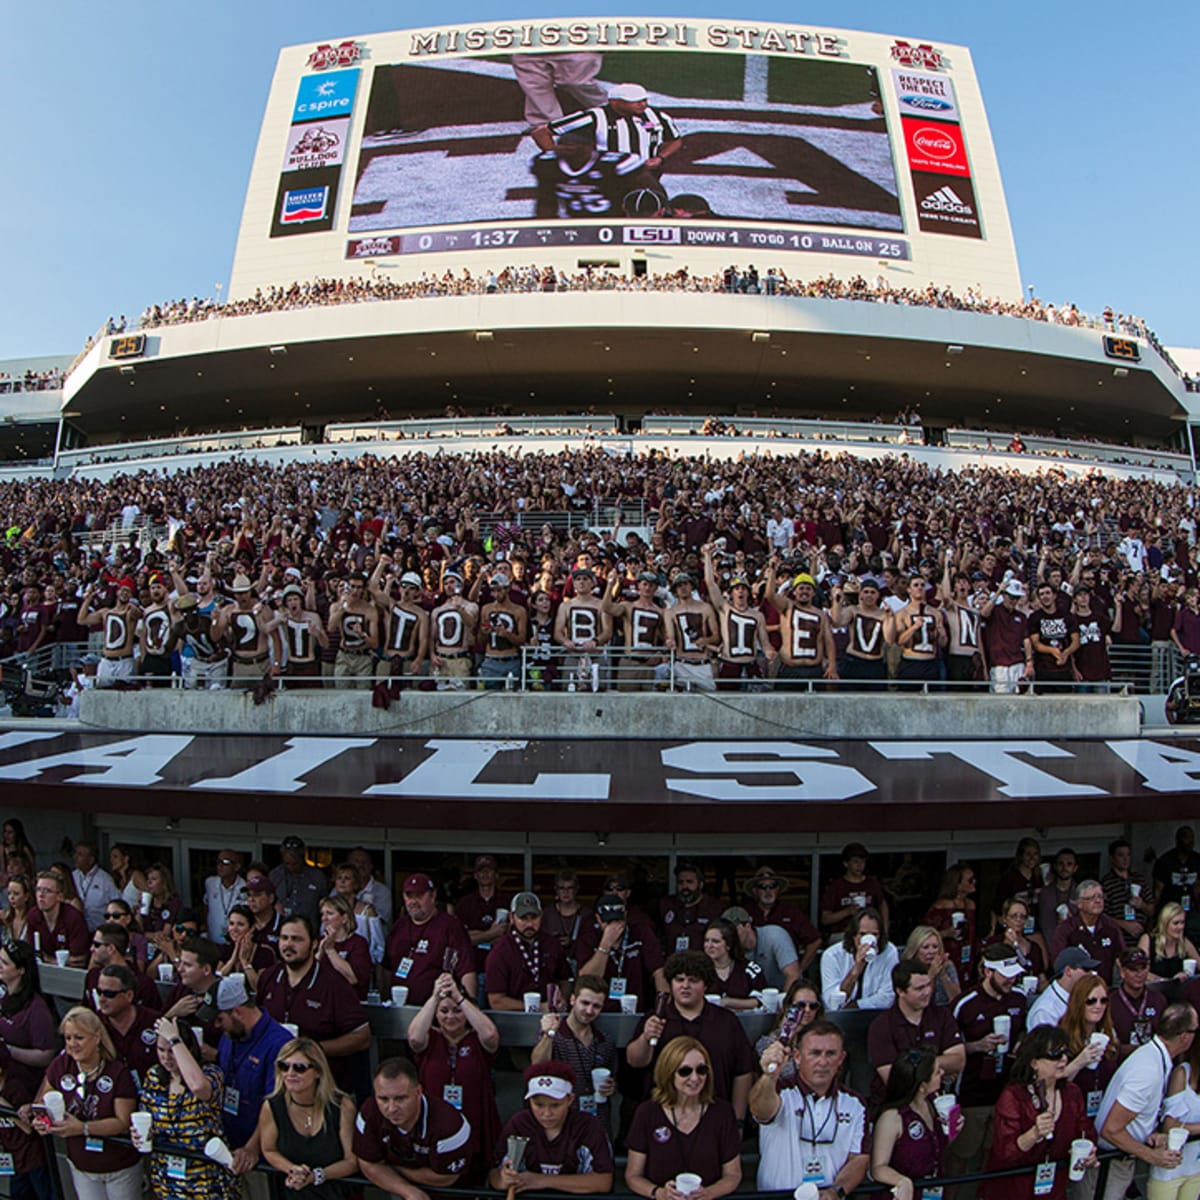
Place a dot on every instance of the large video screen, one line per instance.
(745, 137)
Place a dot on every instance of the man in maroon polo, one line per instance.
(311, 995)
(1090, 929)
(765, 907)
(853, 890)
(913, 1020)
(409, 1143)
(525, 959)
(110, 942)
(260, 900)
(54, 925)
(689, 975)
(130, 1025)
(683, 916)
(1134, 1007)
(418, 942)
(477, 910)
(989, 1055)
(624, 951)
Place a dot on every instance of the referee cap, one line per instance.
(631, 93)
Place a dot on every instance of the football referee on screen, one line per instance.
(627, 124)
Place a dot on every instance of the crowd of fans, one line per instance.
(31, 381)
(536, 278)
(1029, 1032)
(767, 571)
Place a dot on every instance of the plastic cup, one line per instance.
(1029, 984)
(1003, 1026)
(1081, 1149)
(500, 917)
(958, 918)
(711, 998)
(147, 900)
(61, 957)
(219, 1152)
(1135, 890)
(1045, 870)
(835, 1000)
(687, 1183)
(1063, 912)
(399, 997)
(533, 1001)
(629, 1004)
(1189, 966)
(806, 1191)
(141, 1122)
(1099, 1039)
(198, 1034)
(56, 1106)
(771, 998)
(943, 1105)
(600, 1076)
(1177, 1137)
(166, 972)
(292, 1028)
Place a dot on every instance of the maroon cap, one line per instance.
(260, 883)
(484, 860)
(417, 885)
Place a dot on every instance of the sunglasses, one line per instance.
(1057, 1055)
(187, 929)
(1097, 1000)
(809, 1004)
(684, 1072)
(114, 916)
(766, 887)
(110, 995)
(301, 1068)
(226, 862)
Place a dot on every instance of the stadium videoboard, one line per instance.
(690, 137)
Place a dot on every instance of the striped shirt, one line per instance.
(644, 134)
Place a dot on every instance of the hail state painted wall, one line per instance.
(814, 149)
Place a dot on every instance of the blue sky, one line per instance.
(130, 131)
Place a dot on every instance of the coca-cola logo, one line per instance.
(935, 143)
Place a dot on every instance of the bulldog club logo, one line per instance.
(344, 54)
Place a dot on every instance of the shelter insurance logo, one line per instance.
(343, 54)
(304, 204)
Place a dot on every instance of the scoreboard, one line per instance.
(805, 148)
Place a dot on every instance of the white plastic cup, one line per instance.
(166, 972)
(860, 901)
(141, 1122)
(958, 918)
(61, 957)
(771, 998)
(1135, 890)
(56, 1106)
(600, 1076)
(629, 1004)
(500, 917)
(144, 907)
(292, 1028)
(835, 1000)
(533, 1001)
(399, 997)
(1029, 984)
(219, 1152)
(1063, 912)
(1003, 1026)
(806, 1191)
(1045, 870)
(1177, 1137)
(687, 1183)
(1081, 1150)
(1099, 1039)
(943, 1106)
(712, 998)
(1189, 967)
(198, 1034)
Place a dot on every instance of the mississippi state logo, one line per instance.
(104, 1084)
(916, 1130)
(344, 54)
(923, 55)
(662, 1134)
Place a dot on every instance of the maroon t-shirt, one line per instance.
(721, 1034)
(25, 1148)
(704, 1151)
(1134, 1021)
(634, 960)
(414, 953)
(515, 966)
(476, 913)
(791, 917)
(679, 923)
(985, 1076)
(356, 950)
(466, 1065)
(137, 1048)
(1051, 629)
(841, 893)
(581, 1148)
(32, 1027)
(744, 979)
(440, 1140)
(1004, 634)
(891, 1033)
(1092, 656)
(94, 1099)
(70, 933)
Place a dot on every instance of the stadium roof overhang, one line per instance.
(626, 352)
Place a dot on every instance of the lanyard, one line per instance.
(815, 1140)
(1137, 1012)
(619, 964)
(533, 962)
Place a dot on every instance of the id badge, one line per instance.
(406, 965)
(965, 957)
(1093, 1102)
(1129, 914)
(814, 1171)
(931, 1193)
(681, 944)
(232, 1101)
(587, 1103)
(94, 1145)
(1043, 1179)
(616, 987)
(1029, 926)
(1186, 902)
(6, 1165)
(452, 1093)
(176, 1167)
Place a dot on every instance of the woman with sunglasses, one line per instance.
(99, 1093)
(184, 1099)
(801, 1006)
(1037, 1118)
(737, 979)
(119, 912)
(909, 1141)
(306, 1126)
(683, 1129)
(168, 941)
(1093, 1063)
(16, 915)
(1016, 930)
(455, 1043)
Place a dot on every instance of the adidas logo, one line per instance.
(946, 200)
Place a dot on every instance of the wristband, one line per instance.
(318, 1175)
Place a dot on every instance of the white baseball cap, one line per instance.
(629, 92)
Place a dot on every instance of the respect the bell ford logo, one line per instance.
(341, 55)
(923, 55)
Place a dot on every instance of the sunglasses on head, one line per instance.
(684, 1072)
(300, 1068)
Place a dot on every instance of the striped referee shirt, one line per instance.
(644, 134)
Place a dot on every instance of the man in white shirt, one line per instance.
(221, 892)
(1071, 964)
(814, 1132)
(375, 893)
(95, 887)
(1131, 1110)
